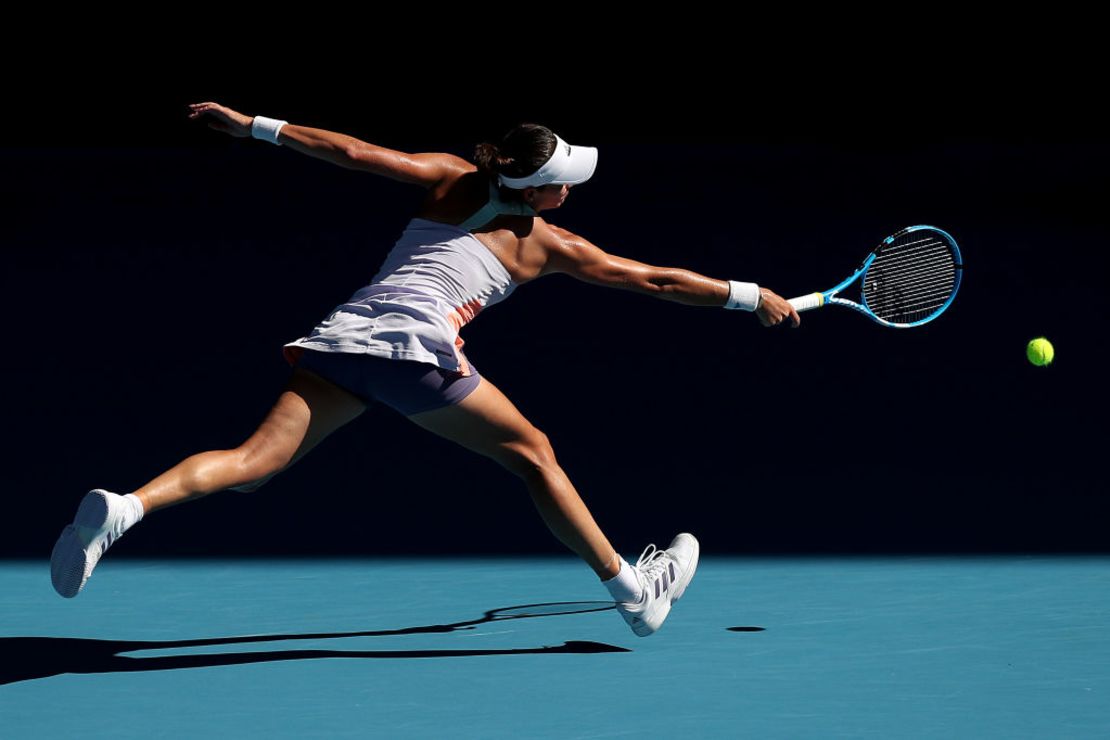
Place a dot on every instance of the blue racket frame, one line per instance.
(829, 296)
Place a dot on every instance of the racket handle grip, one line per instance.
(806, 302)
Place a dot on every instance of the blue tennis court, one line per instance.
(771, 647)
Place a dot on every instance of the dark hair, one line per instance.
(521, 152)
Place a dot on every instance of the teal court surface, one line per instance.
(892, 647)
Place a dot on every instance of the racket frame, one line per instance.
(817, 300)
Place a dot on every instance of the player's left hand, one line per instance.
(222, 118)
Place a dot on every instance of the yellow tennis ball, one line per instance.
(1040, 352)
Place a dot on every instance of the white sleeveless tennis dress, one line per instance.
(434, 281)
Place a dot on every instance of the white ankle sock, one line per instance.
(134, 512)
(624, 587)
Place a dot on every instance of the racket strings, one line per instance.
(910, 278)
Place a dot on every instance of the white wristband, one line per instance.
(744, 296)
(267, 129)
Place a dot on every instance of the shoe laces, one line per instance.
(651, 563)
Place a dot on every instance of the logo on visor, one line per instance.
(568, 149)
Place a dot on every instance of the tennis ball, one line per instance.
(1040, 352)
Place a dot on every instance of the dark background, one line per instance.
(155, 268)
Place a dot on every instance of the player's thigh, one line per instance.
(308, 410)
(487, 422)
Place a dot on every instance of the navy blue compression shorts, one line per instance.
(408, 386)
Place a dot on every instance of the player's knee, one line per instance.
(257, 465)
(531, 455)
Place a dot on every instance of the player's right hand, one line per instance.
(774, 309)
(221, 118)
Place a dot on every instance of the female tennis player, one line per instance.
(396, 342)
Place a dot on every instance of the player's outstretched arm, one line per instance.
(425, 169)
(573, 255)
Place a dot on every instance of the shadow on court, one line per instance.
(27, 658)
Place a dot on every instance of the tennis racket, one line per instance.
(906, 281)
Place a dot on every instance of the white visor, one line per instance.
(569, 165)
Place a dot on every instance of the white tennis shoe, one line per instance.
(99, 522)
(664, 575)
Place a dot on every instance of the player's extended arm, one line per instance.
(571, 254)
(424, 169)
(341, 149)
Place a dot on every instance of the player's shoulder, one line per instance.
(562, 249)
(553, 236)
(449, 164)
(453, 174)
(459, 164)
